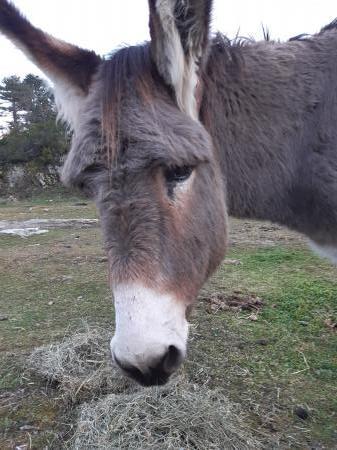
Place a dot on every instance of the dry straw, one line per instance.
(179, 416)
(80, 365)
(121, 415)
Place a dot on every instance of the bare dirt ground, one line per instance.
(251, 233)
(243, 233)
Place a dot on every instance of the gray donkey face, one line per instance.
(152, 172)
(139, 151)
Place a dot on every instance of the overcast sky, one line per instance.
(102, 25)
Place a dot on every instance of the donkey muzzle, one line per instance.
(158, 373)
(151, 334)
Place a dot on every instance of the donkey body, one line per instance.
(271, 110)
(171, 136)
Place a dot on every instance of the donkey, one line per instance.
(170, 137)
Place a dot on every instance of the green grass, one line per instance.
(296, 365)
(53, 208)
(73, 279)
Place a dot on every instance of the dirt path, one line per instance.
(250, 233)
(246, 233)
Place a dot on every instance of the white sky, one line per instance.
(102, 25)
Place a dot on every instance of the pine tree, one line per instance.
(32, 133)
(12, 101)
(39, 100)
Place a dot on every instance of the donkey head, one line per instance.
(140, 151)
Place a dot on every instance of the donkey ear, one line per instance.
(69, 68)
(179, 43)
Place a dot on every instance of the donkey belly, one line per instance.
(313, 202)
(305, 202)
(325, 251)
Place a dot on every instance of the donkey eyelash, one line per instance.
(178, 174)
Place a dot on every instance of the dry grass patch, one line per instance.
(180, 415)
(80, 365)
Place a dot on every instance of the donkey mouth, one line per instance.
(154, 377)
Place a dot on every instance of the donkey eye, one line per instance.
(178, 174)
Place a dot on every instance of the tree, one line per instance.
(32, 135)
(39, 102)
(12, 100)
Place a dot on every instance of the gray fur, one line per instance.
(271, 110)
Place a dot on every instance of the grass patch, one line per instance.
(72, 208)
(286, 356)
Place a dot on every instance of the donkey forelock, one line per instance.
(127, 74)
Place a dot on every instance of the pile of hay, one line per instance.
(178, 416)
(80, 365)
(121, 415)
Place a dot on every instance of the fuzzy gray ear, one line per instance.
(179, 45)
(70, 68)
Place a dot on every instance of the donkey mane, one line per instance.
(131, 72)
(331, 26)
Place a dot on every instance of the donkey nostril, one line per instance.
(157, 374)
(172, 359)
(131, 371)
